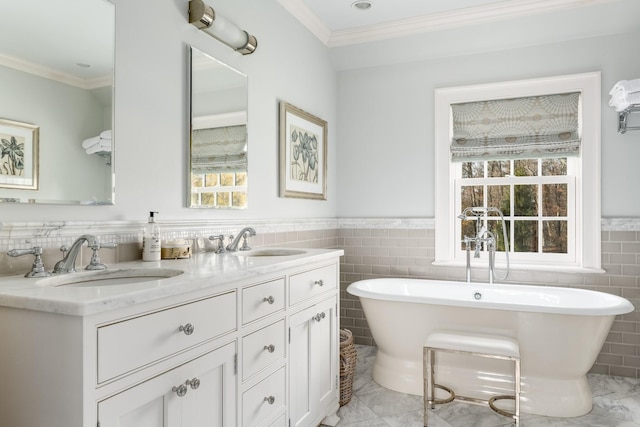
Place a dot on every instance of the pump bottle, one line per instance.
(151, 240)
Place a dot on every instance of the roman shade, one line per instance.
(219, 150)
(528, 127)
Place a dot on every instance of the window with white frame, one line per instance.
(531, 149)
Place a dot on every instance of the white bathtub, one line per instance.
(560, 331)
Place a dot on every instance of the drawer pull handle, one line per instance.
(180, 390)
(319, 282)
(270, 348)
(318, 317)
(187, 329)
(269, 299)
(194, 383)
(270, 400)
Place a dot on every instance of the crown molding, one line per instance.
(51, 74)
(428, 23)
(302, 13)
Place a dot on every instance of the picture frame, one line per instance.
(303, 154)
(19, 155)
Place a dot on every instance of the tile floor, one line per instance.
(616, 403)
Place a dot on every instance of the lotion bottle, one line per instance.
(151, 240)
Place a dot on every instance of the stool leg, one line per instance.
(432, 381)
(425, 381)
(518, 390)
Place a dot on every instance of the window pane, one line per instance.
(526, 200)
(241, 178)
(526, 236)
(498, 168)
(239, 199)
(227, 179)
(553, 167)
(554, 199)
(196, 180)
(194, 199)
(472, 196)
(527, 167)
(498, 197)
(554, 237)
(211, 179)
(496, 228)
(473, 170)
(222, 199)
(207, 199)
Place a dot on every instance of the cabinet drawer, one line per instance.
(261, 300)
(133, 343)
(263, 399)
(311, 283)
(262, 348)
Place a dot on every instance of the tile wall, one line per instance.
(385, 248)
(409, 252)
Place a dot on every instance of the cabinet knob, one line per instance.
(318, 317)
(270, 348)
(180, 390)
(187, 329)
(269, 299)
(270, 400)
(194, 383)
(319, 282)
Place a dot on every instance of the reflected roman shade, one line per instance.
(529, 127)
(219, 150)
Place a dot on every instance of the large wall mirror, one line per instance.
(56, 103)
(218, 151)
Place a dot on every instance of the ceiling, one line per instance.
(340, 23)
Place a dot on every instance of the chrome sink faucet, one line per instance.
(68, 263)
(244, 233)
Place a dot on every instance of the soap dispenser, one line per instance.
(151, 240)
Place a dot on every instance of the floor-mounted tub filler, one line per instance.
(560, 332)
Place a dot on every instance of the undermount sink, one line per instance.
(271, 252)
(110, 277)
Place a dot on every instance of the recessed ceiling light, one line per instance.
(362, 4)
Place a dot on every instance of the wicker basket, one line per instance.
(347, 365)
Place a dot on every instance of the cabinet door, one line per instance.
(313, 362)
(201, 392)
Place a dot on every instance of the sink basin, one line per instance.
(271, 252)
(110, 277)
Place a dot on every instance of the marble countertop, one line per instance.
(201, 271)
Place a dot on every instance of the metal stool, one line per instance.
(489, 346)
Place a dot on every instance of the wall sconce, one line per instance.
(204, 18)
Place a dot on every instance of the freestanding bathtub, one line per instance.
(560, 331)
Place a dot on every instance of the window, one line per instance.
(223, 190)
(551, 206)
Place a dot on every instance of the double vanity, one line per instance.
(241, 339)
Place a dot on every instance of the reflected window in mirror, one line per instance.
(64, 88)
(218, 161)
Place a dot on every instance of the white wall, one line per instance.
(386, 123)
(152, 39)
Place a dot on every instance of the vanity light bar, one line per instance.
(203, 17)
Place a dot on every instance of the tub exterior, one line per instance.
(557, 346)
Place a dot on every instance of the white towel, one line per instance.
(626, 86)
(99, 147)
(106, 134)
(89, 142)
(623, 101)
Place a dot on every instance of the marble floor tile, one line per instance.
(616, 403)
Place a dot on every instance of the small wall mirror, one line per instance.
(218, 175)
(56, 108)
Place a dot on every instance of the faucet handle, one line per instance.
(220, 238)
(37, 269)
(245, 246)
(95, 263)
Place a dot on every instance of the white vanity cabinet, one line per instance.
(257, 350)
(313, 347)
(198, 393)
